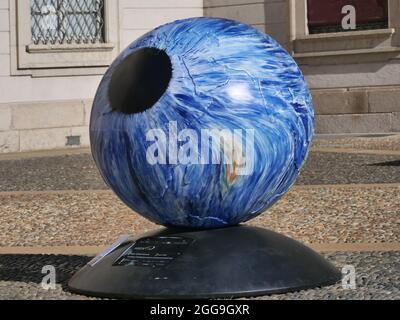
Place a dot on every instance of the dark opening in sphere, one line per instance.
(140, 80)
(203, 122)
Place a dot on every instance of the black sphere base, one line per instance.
(240, 261)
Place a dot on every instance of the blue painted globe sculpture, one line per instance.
(202, 123)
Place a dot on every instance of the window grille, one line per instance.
(67, 21)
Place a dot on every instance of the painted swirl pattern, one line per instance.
(227, 77)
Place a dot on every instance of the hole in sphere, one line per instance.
(140, 80)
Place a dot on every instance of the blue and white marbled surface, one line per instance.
(225, 75)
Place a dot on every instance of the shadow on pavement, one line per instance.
(28, 268)
(395, 163)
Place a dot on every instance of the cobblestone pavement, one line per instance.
(314, 214)
(377, 277)
(78, 172)
(366, 142)
(342, 197)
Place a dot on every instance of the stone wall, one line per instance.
(353, 91)
(268, 16)
(28, 126)
(49, 112)
(357, 110)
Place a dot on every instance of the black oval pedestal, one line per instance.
(222, 263)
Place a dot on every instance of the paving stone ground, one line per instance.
(377, 277)
(317, 214)
(342, 197)
(362, 142)
(78, 172)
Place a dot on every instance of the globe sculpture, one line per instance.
(200, 125)
(177, 111)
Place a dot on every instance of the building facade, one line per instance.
(354, 75)
(53, 54)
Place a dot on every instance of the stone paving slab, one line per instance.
(78, 171)
(94, 250)
(349, 168)
(65, 172)
(349, 217)
(385, 142)
(340, 214)
(78, 218)
(312, 214)
(377, 277)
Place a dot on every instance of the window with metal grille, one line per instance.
(67, 21)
